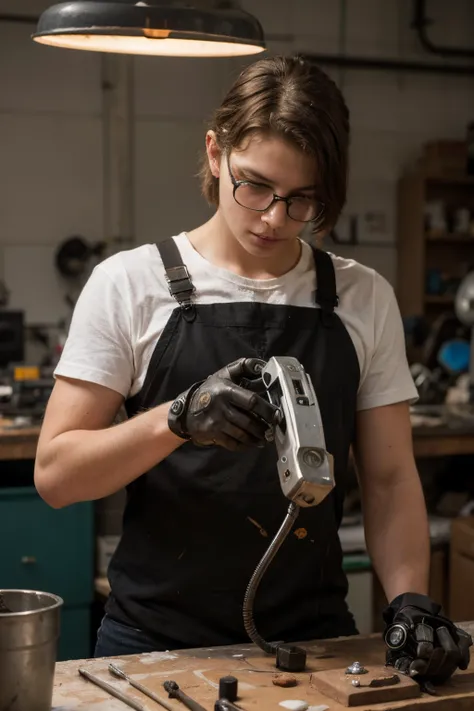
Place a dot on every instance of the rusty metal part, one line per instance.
(378, 682)
(284, 679)
(385, 681)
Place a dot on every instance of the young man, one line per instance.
(157, 327)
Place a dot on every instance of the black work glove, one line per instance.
(225, 409)
(421, 643)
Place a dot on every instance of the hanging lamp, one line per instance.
(172, 28)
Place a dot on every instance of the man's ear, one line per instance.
(213, 154)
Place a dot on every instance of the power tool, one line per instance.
(305, 468)
(306, 472)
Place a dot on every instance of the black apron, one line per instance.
(196, 525)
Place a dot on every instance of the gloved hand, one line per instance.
(225, 409)
(421, 643)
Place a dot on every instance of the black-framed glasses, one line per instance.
(260, 198)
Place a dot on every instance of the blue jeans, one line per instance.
(115, 639)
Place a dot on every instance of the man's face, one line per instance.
(277, 167)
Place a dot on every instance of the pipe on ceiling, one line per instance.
(23, 19)
(420, 22)
(394, 65)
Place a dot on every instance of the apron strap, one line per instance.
(179, 282)
(326, 291)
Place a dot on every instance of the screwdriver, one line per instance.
(111, 690)
(114, 669)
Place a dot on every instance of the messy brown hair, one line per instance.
(293, 98)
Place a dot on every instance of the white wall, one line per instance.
(50, 129)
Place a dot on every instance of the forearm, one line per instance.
(83, 465)
(397, 534)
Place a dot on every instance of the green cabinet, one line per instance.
(52, 550)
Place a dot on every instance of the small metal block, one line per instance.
(228, 688)
(290, 658)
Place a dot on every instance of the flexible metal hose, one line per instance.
(273, 548)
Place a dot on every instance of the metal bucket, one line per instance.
(28, 649)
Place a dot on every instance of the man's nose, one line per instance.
(276, 215)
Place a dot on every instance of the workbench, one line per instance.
(427, 442)
(198, 671)
(19, 443)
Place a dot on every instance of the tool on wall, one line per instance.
(305, 469)
(464, 308)
(74, 260)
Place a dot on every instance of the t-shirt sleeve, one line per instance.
(98, 347)
(387, 379)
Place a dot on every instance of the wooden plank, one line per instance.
(198, 671)
(442, 445)
(377, 685)
(18, 443)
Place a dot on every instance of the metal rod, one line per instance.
(387, 65)
(112, 690)
(175, 693)
(113, 669)
(21, 19)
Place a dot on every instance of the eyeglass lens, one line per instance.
(260, 197)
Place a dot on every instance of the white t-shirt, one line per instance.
(125, 305)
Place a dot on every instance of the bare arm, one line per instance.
(395, 518)
(82, 457)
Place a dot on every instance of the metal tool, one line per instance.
(174, 692)
(306, 473)
(116, 671)
(29, 635)
(305, 467)
(228, 688)
(356, 668)
(228, 693)
(111, 690)
(225, 705)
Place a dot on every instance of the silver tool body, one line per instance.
(305, 467)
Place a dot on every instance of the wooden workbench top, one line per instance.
(18, 442)
(198, 671)
(428, 441)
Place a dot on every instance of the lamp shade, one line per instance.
(175, 29)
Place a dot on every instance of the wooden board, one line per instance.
(338, 685)
(20, 443)
(198, 672)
